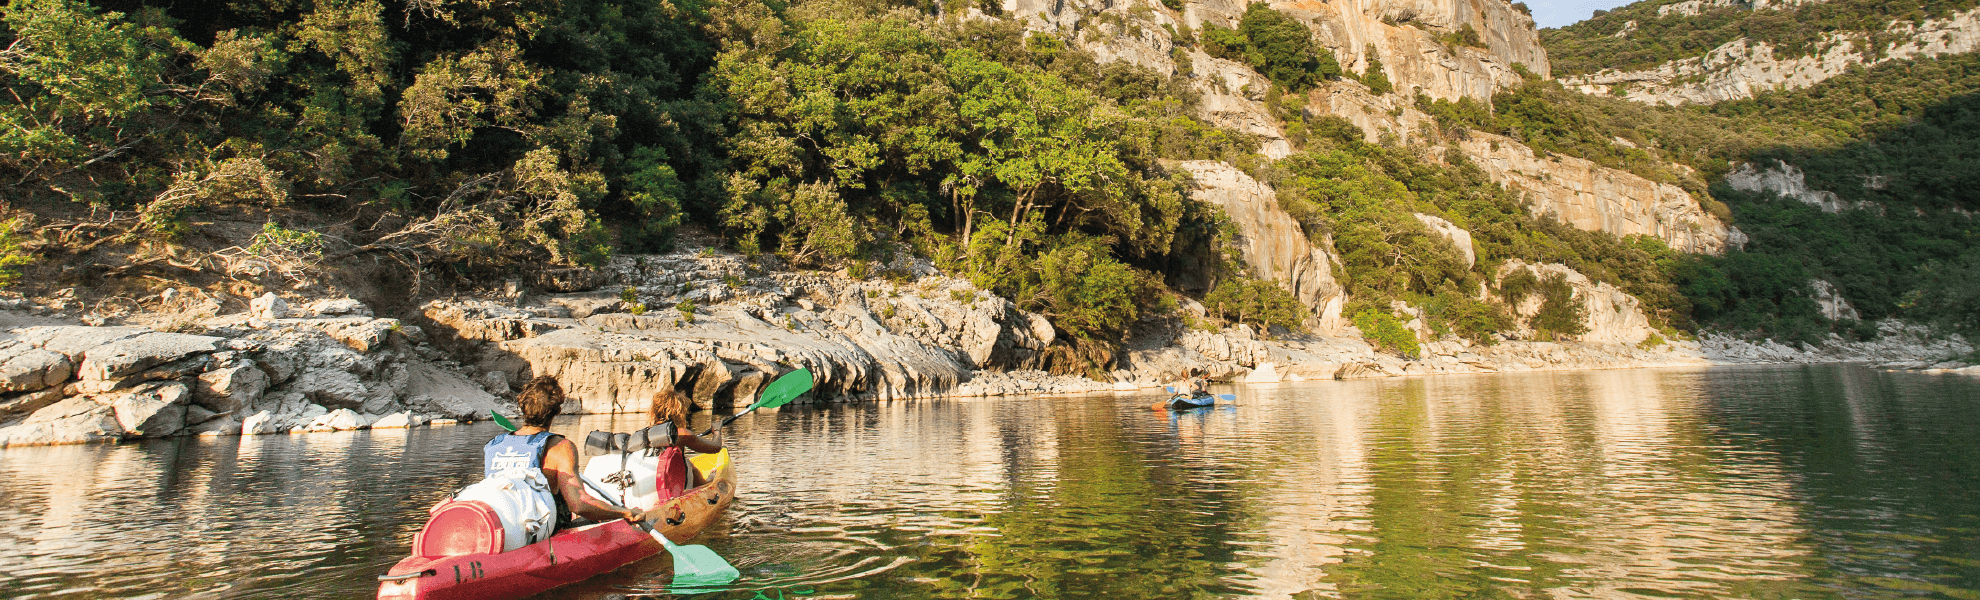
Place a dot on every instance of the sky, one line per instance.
(1557, 13)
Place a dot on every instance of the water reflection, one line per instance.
(1783, 482)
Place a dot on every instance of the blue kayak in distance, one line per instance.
(1189, 401)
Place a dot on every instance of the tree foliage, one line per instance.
(1276, 45)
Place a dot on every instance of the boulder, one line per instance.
(26, 369)
(227, 425)
(76, 419)
(397, 420)
(260, 423)
(196, 414)
(497, 382)
(339, 307)
(360, 333)
(268, 306)
(342, 419)
(152, 410)
(232, 388)
(130, 356)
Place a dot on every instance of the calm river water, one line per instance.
(1774, 482)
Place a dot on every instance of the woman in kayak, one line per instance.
(669, 406)
(533, 446)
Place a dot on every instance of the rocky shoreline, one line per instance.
(715, 326)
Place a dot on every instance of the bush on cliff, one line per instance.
(1256, 302)
(1387, 332)
(1276, 45)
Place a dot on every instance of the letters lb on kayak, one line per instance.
(459, 554)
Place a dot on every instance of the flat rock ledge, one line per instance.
(327, 370)
(1898, 346)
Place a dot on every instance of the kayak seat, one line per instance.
(456, 528)
(672, 478)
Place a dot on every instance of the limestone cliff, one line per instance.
(1577, 191)
(1611, 316)
(1403, 33)
(1274, 245)
(1742, 68)
(1592, 197)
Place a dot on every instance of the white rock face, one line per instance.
(1450, 231)
(1784, 179)
(1595, 198)
(1834, 306)
(1613, 317)
(1402, 32)
(1274, 245)
(1742, 68)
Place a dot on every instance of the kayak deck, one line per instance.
(569, 556)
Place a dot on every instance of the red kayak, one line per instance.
(452, 557)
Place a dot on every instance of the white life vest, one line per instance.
(522, 499)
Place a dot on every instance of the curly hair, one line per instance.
(669, 405)
(542, 399)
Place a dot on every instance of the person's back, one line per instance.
(533, 446)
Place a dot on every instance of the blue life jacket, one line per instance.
(509, 451)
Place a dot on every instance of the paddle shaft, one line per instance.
(727, 420)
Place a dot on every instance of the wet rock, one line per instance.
(73, 420)
(225, 425)
(399, 420)
(342, 419)
(260, 423)
(151, 410)
(196, 414)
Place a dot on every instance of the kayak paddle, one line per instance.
(503, 421)
(778, 393)
(694, 566)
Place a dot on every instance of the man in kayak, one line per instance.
(533, 446)
(669, 406)
(1191, 385)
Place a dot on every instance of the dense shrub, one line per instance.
(1255, 302)
(1387, 332)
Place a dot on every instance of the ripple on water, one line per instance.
(1792, 482)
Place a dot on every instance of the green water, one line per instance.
(1764, 482)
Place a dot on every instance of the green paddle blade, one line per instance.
(697, 566)
(503, 421)
(784, 389)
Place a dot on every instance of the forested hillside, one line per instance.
(462, 143)
(1646, 34)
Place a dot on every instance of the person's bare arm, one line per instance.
(700, 444)
(560, 463)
